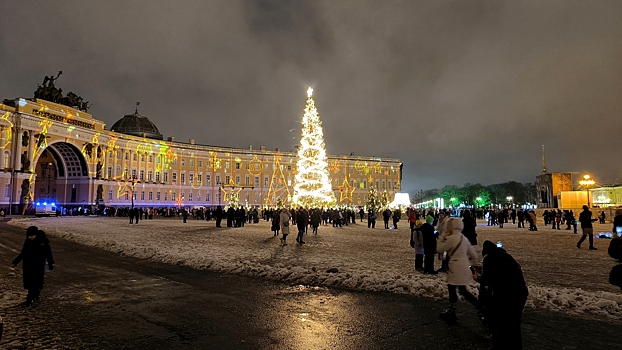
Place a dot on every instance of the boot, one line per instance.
(580, 241)
(592, 243)
(449, 315)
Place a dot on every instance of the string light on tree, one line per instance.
(312, 188)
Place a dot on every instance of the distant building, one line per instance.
(52, 152)
(549, 187)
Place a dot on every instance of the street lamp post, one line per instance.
(509, 198)
(587, 182)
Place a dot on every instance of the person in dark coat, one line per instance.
(469, 227)
(219, 215)
(276, 222)
(302, 220)
(315, 219)
(429, 246)
(585, 218)
(35, 252)
(371, 219)
(386, 215)
(503, 293)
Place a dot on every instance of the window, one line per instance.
(199, 197)
(109, 172)
(183, 196)
(248, 180)
(237, 180)
(265, 181)
(190, 196)
(142, 175)
(127, 195)
(227, 179)
(174, 196)
(256, 181)
(118, 171)
(199, 178)
(150, 158)
(217, 179)
(157, 176)
(158, 160)
(208, 179)
(226, 165)
(134, 156)
(127, 156)
(150, 175)
(208, 163)
(183, 178)
(183, 162)
(166, 176)
(383, 185)
(289, 168)
(265, 167)
(200, 164)
(133, 173)
(289, 182)
(165, 196)
(150, 195)
(142, 157)
(248, 166)
(191, 178)
(389, 184)
(174, 177)
(158, 195)
(142, 195)
(191, 162)
(237, 165)
(110, 195)
(174, 161)
(207, 197)
(118, 155)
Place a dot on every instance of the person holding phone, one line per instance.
(585, 218)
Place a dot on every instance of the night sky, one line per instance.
(460, 91)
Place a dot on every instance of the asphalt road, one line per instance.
(100, 300)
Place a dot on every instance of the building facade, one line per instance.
(54, 153)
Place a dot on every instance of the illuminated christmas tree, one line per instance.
(313, 186)
(372, 202)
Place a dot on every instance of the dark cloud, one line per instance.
(460, 91)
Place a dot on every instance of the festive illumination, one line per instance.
(371, 202)
(279, 189)
(313, 186)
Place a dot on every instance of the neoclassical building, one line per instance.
(55, 153)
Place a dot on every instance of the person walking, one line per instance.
(469, 225)
(316, 218)
(503, 293)
(302, 220)
(35, 252)
(461, 258)
(416, 242)
(276, 223)
(284, 218)
(397, 215)
(585, 218)
(412, 218)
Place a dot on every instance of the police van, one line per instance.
(45, 209)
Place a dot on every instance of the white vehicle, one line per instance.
(45, 209)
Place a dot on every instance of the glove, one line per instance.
(51, 267)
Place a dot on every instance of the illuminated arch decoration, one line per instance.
(255, 166)
(335, 166)
(279, 190)
(378, 168)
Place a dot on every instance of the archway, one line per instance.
(62, 175)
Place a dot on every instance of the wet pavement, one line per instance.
(100, 300)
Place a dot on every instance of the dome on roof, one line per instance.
(137, 125)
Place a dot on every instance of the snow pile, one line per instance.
(352, 257)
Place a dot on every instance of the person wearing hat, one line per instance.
(35, 252)
(461, 257)
(503, 293)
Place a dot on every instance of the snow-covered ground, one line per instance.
(560, 276)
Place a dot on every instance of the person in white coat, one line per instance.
(461, 257)
(285, 218)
